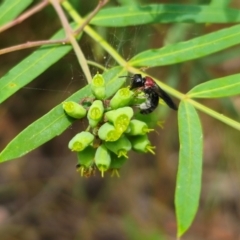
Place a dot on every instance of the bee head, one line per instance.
(137, 81)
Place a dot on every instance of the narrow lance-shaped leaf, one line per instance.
(192, 49)
(55, 121)
(221, 87)
(220, 3)
(10, 9)
(189, 174)
(32, 66)
(133, 15)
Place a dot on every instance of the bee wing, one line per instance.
(166, 98)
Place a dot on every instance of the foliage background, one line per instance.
(41, 196)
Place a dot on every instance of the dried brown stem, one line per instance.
(62, 17)
(69, 34)
(32, 44)
(37, 8)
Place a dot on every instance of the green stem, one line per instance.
(92, 63)
(75, 16)
(215, 114)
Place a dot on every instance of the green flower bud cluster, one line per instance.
(112, 130)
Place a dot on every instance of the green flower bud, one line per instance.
(114, 114)
(107, 132)
(81, 141)
(122, 98)
(142, 144)
(120, 147)
(95, 113)
(116, 164)
(102, 159)
(86, 157)
(74, 109)
(98, 86)
(86, 160)
(92, 123)
(137, 127)
(120, 118)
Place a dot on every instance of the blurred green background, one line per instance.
(41, 194)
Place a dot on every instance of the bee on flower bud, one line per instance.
(152, 92)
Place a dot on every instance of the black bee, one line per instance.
(152, 91)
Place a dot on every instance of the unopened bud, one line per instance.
(86, 160)
(98, 86)
(95, 113)
(116, 164)
(74, 109)
(81, 141)
(120, 147)
(86, 157)
(137, 127)
(142, 144)
(102, 159)
(120, 118)
(122, 98)
(108, 132)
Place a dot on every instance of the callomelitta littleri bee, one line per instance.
(152, 92)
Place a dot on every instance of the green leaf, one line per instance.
(164, 13)
(192, 49)
(190, 166)
(10, 9)
(221, 87)
(32, 66)
(220, 3)
(56, 121)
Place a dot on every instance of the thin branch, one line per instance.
(101, 3)
(65, 23)
(33, 44)
(69, 35)
(25, 15)
(96, 37)
(62, 17)
(97, 65)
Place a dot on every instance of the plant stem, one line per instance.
(101, 3)
(69, 34)
(44, 42)
(92, 63)
(215, 114)
(75, 16)
(32, 44)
